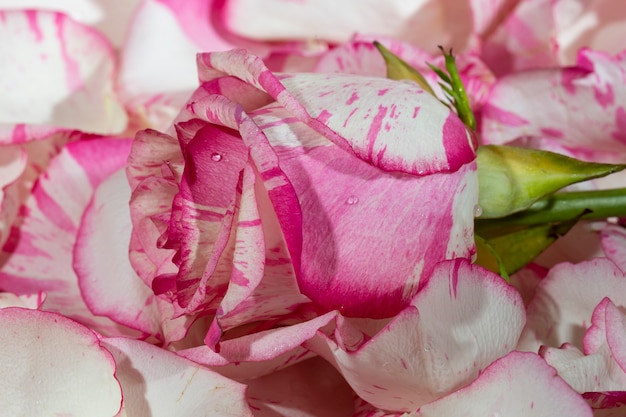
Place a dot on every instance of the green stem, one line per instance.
(560, 207)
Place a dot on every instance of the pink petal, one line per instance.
(311, 388)
(565, 300)
(614, 244)
(107, 281)
(39, 253)
(31, 301)
(158, 70)
(159, 383)
(523, 40)
(441, 22)
(110, 17)
(75, 376)
(411, 361)
(600, 369)
(260, 353)
(517, 385)
(13, 161)
(541, 104)
(392, 110)
(57, 74)
(362, 203)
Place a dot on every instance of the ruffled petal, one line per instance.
(75, 376)
(159, 383)
(57, 74)
(581, 107)
(614, 244)
(411, 362)
(445, 23)
(13, 161)
(564, 301)
(110, 17)
(517, 385)
(39, 254)
(31, 301)
(312, 388)
(108, 284)
(336, 106)
(599, 372)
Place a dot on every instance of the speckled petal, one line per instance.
(57, 74)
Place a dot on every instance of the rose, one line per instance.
(330, 172)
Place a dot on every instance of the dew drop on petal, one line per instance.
(478, 210)
(216, 157)
(352, 200)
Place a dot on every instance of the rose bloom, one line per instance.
(293, 238)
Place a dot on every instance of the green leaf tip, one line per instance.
(398, 69)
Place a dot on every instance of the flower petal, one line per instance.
(76, 89)
(39, 253)
(614, 244)
(411, 362)
(307, 389)
(392, 110)
(159, 383)
(564, 301)
(579, 107)
(75, 376)
(107, 281)
(441, 22)
(517, 385)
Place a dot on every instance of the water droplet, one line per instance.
(169, 294)
(478, 210)
(352, 200)
(216, 157)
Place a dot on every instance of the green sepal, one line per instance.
(488, 258)
(509, 253)
(511, 179)
(398, 69)
(461, 102)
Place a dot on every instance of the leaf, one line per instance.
(511, 179)
(398, 69)
(509, 253)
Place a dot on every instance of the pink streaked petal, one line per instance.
(564, 301)
(262, 285)
(31, 301)
(110, 17)
(581, 24)
(260, 353)
(76, 89)
(200, 227)
(335, 257)
(75, 376)
(525, 39)
(108, 284)
(614, 244)
(39, 255)
(616, 336)
(582, 107)
(312, 388)
(392, 109)
(517, 385)
(598, 369)
(160, 383)
(154, 167)
(411, 362)
(13, 162)
(441, 22)
(158, 70)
